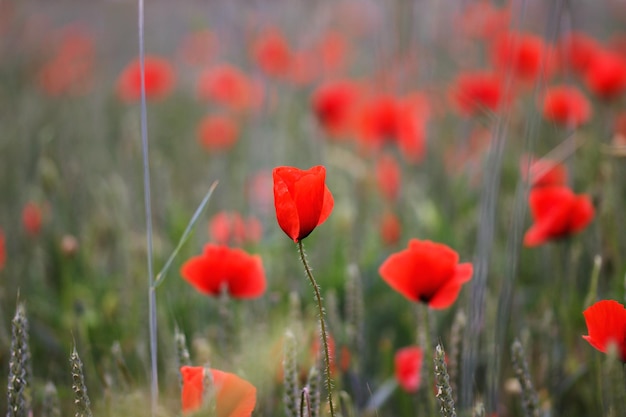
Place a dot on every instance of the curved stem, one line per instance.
(318, 297)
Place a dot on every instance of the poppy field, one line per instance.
(350, 208)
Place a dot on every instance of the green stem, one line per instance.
(427, 362)
(318, 297)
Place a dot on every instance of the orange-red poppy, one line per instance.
(408, 368)
(302, 200)
(606, 324)
(159, 76)
(390, 228)
(428, 272)
(220, 268)
(557, 212)
(566, 105)
(234, 396)
(272, 53)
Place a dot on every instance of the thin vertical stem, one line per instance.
(154, 386)
(318, 297)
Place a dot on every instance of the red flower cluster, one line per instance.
(231, 228)
(606, 324)
(428, 272)
(566, 105)
(302, 200)
(217, 132)
(159, 77)
(70, 70)
(234, 397)
(408, 368)
(557, 212)
(221, 268)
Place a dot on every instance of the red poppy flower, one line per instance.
(3, 251)
(606, 324)
(334, 104)
(234, 397)
(230, 87)
(271, 52)
(606, 75)
(557, 212)
(220, 267)
(388, 177)
(566, 105)
(159, 76)
(331, 51)
(428, 272)
(475, 92)
(408, 364)
(543, 172)
(390, 229)
(70, 70)
(522, 53)
(302, 200)
(217, 132)
(378, 121)
(32, 219)
(577, 50)
(198, 48)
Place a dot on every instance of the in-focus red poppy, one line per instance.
(234, 396)
(3, 251)
(198, 48)
(70, 70)
(220, 268)
(388, 177)
(476, 92)
(390, 228)
(428, 272)
(606, 324)
(482, 20)
(302, 199)
(159, 76)
(271, 52)
(557, 212)
(32, 218)
(217, 132)
(334, 103)
(606, 75)
(408, 368)
(227, 85)
(566, 105)
(543, 172)
(576, 51)
(524, 54)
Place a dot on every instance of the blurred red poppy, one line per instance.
(231, 228)
(428, 272)
(606, 75)
(576, 51)
(481, 20)
(271, 52)
(390, 228)
(378, 121)
(408, 368)
(32, 218)
(70, 69)
(159, 76)
(566, 105)
(334, 103)
(302, 200)
(606, 324)
(388, 177)
(234, 397)
(543, 172)
(476, 92)
(217, 132)
(332, 51)
(198, 48)
(524, 54)
(557, 212)
(221, 268)
(228, 86)
(3, 251)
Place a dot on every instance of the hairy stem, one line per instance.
(318, 297)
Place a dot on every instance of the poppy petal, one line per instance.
(235, 397)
